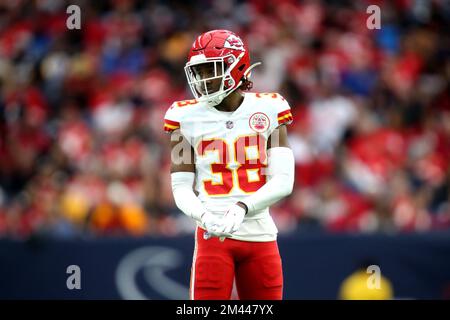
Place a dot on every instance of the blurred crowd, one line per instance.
(82, 147)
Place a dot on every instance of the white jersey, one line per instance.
(230, 153)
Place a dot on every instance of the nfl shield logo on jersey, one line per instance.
(259, 122)
(229, 124)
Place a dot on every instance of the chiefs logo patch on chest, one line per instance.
(259, 122)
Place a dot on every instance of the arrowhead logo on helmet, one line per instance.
(229, 61)
(234, 42)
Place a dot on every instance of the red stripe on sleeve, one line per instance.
(172, 123)
(284, 113)
(286, 120)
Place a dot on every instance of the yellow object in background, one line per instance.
(74, 207)
(355, 287)
(134, 219)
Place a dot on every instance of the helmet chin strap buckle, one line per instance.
(215, 100)
(218, 100)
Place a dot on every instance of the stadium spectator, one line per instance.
(82, 150)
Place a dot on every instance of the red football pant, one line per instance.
(255, 266)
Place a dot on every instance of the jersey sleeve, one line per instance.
(283, 112)
(172, 119)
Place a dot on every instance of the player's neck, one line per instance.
(231, 102)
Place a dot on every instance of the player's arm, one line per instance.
(280, 172)
(182, 154)
(182, 173)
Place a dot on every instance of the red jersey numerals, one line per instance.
(185, 103)
(221, 147)
(250, 153)
(273, 95)
(249, 160)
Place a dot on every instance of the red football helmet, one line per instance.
(230, 62)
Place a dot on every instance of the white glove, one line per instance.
(211, 223)
(232, 219)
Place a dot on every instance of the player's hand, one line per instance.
(212, 223)
(232, 219)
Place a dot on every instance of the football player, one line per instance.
(230, 162)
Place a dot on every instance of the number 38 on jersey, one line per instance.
(237, 165)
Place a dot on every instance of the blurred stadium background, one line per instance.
(84, 162)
